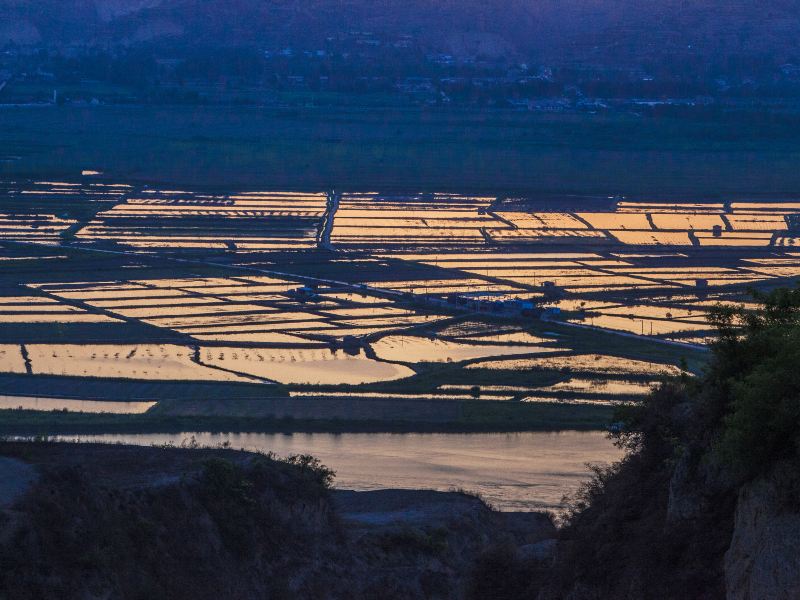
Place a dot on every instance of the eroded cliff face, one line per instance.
(763, 561)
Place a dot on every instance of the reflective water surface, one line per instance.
(512, 471)
(73, 405)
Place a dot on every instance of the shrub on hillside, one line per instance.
(757, 363)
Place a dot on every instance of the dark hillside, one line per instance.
(101, 521)
(707, 504)
(624, 33)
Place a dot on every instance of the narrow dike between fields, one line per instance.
(324, 238)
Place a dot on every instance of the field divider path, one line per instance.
(635, 336)
(589, 226)
(23, 350)
(324, 239)
(728, 226)
(644, 278)
(72, 231)
(394, 294)
(198, 359)
(513, 226)
(211, 296)
(109, 313)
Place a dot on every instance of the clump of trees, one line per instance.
(754, 382)
(743, 414)
(659, 522)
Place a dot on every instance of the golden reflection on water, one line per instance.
(308, 366)
(80, 406)
(513, 472)
(125, 361)
(589, 363)
(455, 237)
(410, 349)
(600, 386)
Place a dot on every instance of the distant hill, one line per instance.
(598, 31)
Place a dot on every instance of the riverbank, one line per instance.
(477, 416)
(512, 471)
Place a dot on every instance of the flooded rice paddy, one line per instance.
(587, 363)
(146, 361)
(69, 405)
(420, 307)
(354, 294)
(311, 366)
(411, 349)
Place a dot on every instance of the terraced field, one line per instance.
(421, 305)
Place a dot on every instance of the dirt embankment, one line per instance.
(128, 522)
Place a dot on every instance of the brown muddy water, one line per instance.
(512, 471)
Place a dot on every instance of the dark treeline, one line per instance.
(249, 73)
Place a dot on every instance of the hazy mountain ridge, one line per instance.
(589, 30)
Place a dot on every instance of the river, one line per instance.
(511, 471)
